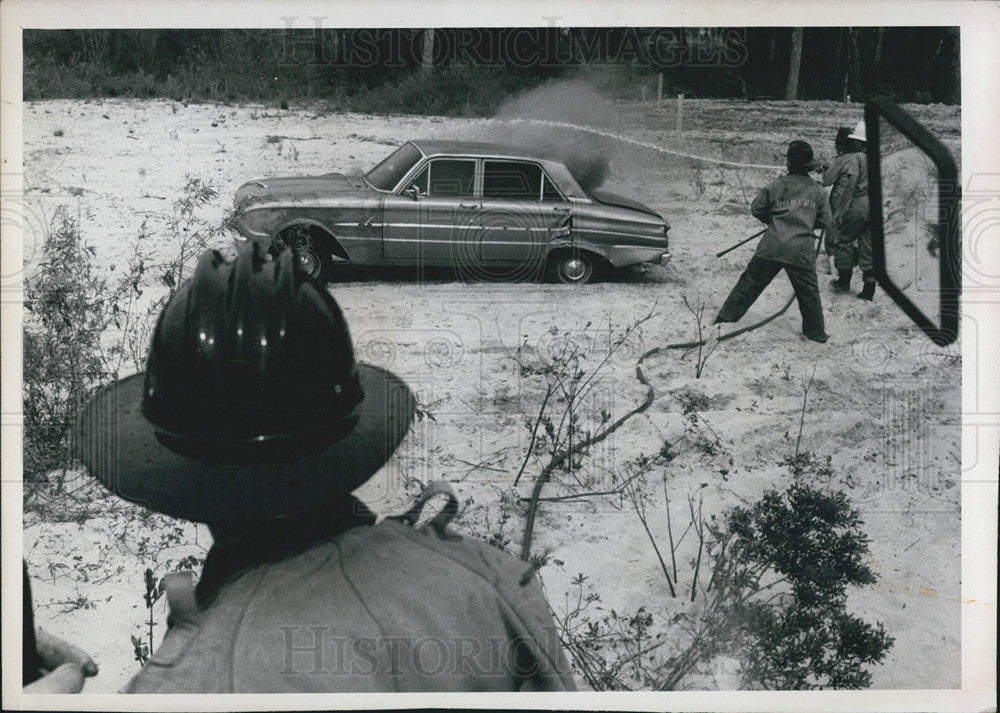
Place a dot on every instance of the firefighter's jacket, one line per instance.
(374, 608)
(848, 174)
(792, 206)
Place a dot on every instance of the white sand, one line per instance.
(885, 403)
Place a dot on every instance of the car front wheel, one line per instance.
(309, 259)
(572, 267)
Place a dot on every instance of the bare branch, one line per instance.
(641, 512)
(802, 416)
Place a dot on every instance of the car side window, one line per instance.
(514, 180)
(420, 182)
(455, 178)
(549, 190)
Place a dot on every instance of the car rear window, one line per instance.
(512, 180)
(391, 170)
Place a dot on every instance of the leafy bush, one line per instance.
(775, 602)
(807, 547)
(67, 307)
(459, 89)
(45, 79)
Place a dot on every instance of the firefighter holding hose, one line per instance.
(852, 244)
(792, 206)
(832, 173)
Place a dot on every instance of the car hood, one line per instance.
(622, 202)
(301, 187)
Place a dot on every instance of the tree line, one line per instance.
(306, 59)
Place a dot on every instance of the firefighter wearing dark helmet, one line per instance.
(792, 206)
(254, 417)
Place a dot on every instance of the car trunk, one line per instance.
(622, 202)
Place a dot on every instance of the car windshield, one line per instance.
(391, 170)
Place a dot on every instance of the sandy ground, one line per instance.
(884, 404)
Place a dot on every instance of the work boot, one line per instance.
(843, 281)
(868, 291)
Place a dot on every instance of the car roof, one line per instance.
(433, 147)
(555, 166)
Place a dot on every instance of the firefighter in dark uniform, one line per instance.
(852, 244)
(254, 417)
(829, 170)
(793, 206)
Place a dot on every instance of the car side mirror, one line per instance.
(914, 201)
(413, 191)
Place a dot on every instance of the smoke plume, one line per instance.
(574, 101)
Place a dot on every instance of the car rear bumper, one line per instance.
(624, 255)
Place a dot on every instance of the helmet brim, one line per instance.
(120, 448)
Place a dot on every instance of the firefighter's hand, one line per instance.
(67, 666)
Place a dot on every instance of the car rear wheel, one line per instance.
(572, 267)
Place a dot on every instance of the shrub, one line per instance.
(45, 79)
(805, 547)
(775, 601)
(67, 308)
(459, 89)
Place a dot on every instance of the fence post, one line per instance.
(659, 89)
(680, 115)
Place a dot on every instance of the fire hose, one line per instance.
(559, 459)
(742, 242)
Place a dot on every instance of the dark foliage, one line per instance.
(471, 70)
(803, 548)
(775, 600)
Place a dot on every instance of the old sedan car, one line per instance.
(493, 212)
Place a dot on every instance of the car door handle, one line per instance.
(472, 206)
(561, 209)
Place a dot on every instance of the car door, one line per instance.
(434, 219)
(522, 210)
